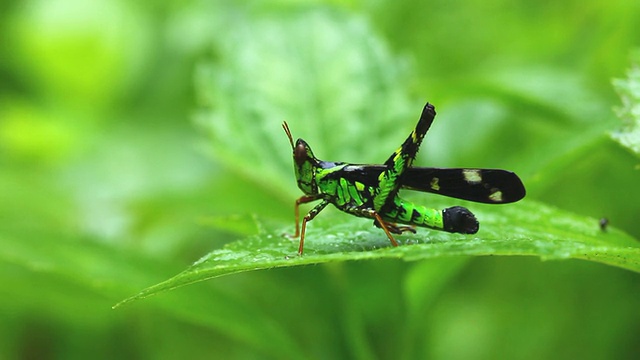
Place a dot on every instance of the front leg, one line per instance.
(302, 200)
(310, 215)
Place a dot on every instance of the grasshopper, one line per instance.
(371, 191)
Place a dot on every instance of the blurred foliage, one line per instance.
(116, 172)
(629, 112)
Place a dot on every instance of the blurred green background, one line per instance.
(137, 136)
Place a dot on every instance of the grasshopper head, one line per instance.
(304, 163)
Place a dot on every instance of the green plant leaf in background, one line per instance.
(319, 71)
(629, 112)
(528, 228)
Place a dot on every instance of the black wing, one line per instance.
(490, 186)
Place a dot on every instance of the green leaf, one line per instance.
(528, 228)
(629, 112)
(325, 73)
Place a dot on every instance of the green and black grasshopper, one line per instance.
(371, 191)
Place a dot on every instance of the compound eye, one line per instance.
(300, 153)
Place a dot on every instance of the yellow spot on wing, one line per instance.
(472, 176)
(496, 196)
(434, 184)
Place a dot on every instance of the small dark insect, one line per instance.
(371, 191)
(604, 223)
